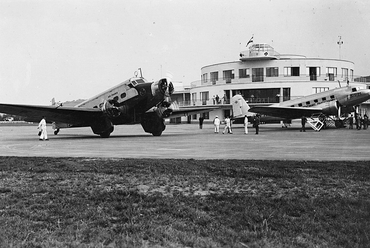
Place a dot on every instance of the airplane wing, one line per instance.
(190, 110)
(286, 112)
(72, 115)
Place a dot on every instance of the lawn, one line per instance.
(84, 202)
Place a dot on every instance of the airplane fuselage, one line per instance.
(330, 101)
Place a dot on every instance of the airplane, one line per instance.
(333, 102)
(130, 102)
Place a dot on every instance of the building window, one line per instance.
(291, 71)
(214, 77)
(244, 73)
(319, 89)
(351, 75)
(331, 72)
(194, 98)
(204, 78)
(204, 97)
(272, 72)
(313, 73)
(228, 75)
(286, 94)
(205, 115)
(257, 74)
(345, 73)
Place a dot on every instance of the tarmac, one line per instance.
(187, 141)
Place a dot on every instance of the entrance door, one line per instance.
(313, 73)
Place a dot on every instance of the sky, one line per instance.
(74, 49)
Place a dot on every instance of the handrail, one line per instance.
(279, 78)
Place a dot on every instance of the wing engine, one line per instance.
(112, 109)
(330, 108)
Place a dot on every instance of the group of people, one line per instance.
(359, 121)
(228, 129)
(219, 100)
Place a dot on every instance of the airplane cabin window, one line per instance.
(332, 96)
(308, 102)
(115, 98)
(300, 105)
(354, 89)
(316, 101)
(324, 98)
(123, 95)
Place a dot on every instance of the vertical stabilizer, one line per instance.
(240, 106)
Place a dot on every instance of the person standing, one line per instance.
(359, 120)
(227, 126)
(246, 124)
(256, 122)
(201, 119)
(303, 123)
(216, 123)
(366, 121)
(356, 120)
(42, 128)
(350, 122)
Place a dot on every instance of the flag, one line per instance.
(250, 41)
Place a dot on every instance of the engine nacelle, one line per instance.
(112, 109)
(330, 108)
(162, 88)
(163, 112)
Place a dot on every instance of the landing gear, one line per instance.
(56, 131)
(153, 124)
(106, 134)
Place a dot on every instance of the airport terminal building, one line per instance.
(263, 76)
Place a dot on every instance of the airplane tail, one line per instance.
(240, 106)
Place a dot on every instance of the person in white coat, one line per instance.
(217, 123)
(42, 128)
(246, 125)
(227, 126)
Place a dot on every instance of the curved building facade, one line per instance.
(264, 76)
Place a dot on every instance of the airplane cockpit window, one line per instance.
(140, 81)
(133, 83)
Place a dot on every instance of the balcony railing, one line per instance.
(269, 79)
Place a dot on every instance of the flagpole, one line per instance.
(340, 43)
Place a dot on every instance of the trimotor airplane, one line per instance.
(333, 102)
(130, 102)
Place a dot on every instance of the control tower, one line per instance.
(260, 51)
